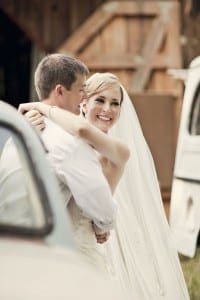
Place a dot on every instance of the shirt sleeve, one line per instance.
(81, 171)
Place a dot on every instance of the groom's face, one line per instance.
(72, 98)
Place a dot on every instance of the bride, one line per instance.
(140, 252)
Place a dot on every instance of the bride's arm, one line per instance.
(116, 151)
(112, 148)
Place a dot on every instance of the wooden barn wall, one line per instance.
(48, 23)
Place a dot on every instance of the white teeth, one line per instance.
(104, 118)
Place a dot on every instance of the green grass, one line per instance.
(191, 270)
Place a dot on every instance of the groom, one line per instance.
(59, 81)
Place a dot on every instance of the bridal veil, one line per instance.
(142, 242)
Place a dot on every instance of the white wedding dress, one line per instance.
(140, 253)
(86, 241)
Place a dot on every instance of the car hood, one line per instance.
(37, 271)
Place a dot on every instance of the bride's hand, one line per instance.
(36, 119)
(101, 236)
(25, 107)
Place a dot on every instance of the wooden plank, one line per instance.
(93, 50)
(173, 36)
(133, 8)
(113, 37)
(124, 76)
(151, 46)
(86, 32)
(138, 29)
(121, 61)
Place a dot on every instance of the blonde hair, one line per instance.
(99, 82)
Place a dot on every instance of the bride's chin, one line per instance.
(103, 128)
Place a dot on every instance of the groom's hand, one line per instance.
(101, 236)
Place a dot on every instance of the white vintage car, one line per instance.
(185, 199)
(38, 260)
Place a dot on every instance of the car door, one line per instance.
(185, 199)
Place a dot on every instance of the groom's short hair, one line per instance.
(57, 69)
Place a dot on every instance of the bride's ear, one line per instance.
(84, 107)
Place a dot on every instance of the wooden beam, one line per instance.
(123, 61)
(151, 47)
(86, 32)
(133, 8)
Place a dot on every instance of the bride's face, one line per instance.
(103, 108)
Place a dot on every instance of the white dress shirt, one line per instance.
(77, 166)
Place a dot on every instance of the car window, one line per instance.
(20, 196)
(194, 126)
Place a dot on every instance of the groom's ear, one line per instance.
(59, 89)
